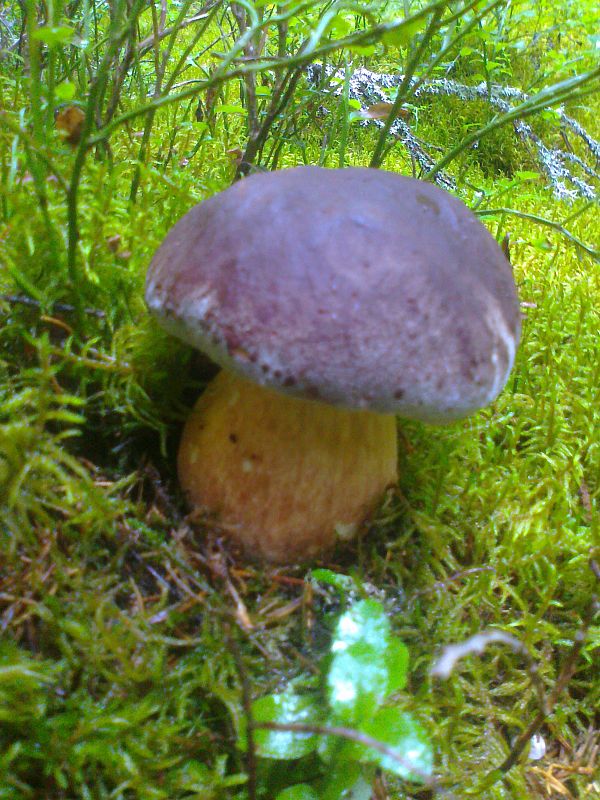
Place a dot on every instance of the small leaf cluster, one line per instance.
(349, 722)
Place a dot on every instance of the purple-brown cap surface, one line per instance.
(356, 287)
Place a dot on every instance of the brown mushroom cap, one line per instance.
(357, 287)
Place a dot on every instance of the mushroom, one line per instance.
(333, 300)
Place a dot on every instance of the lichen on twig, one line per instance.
(569, 175)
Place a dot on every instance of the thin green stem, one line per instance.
(489, 212)
(35, 85)
(344, 117)
(412, 65)
(116, 36)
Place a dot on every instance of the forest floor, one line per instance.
(128, 632)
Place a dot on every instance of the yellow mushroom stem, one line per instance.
(284, 476)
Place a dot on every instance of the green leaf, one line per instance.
(228, 109)
(526, 175)
(65, 91)
(283, 708)
(364, 623)
(340, 26)
(541, 244)
(401, 37)
(397, 665)
(362, 50)
(356, 116)
(54, 36)
(193, 776)
(343, 583)
(344, 779)
(358, 676)
(367, 663)
(357, 682)
(401, 732)
(301, 791)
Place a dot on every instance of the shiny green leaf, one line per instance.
(344, 779)
(367, 664)
(364, 623)
(526, 175)
(362, 50)
(343, 583)
(358, 675)
(284, 708)
(396, 658)
(357, 682)
(401, 732)
(65, 91)
(54, 36)
(340, 26)
(229, 109)
(401, 37)
(301, 791)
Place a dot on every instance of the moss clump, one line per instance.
(445, 120)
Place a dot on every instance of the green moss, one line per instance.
(445, 120)
(127, 633)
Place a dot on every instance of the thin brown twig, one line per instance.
(163, 16)
(147, 43)
(457, 576)
(565, 675)
(250, 52)
(279, 101)
(134, 51)
(64, 308)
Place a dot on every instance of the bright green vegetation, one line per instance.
(131, 641)
(347, 710)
